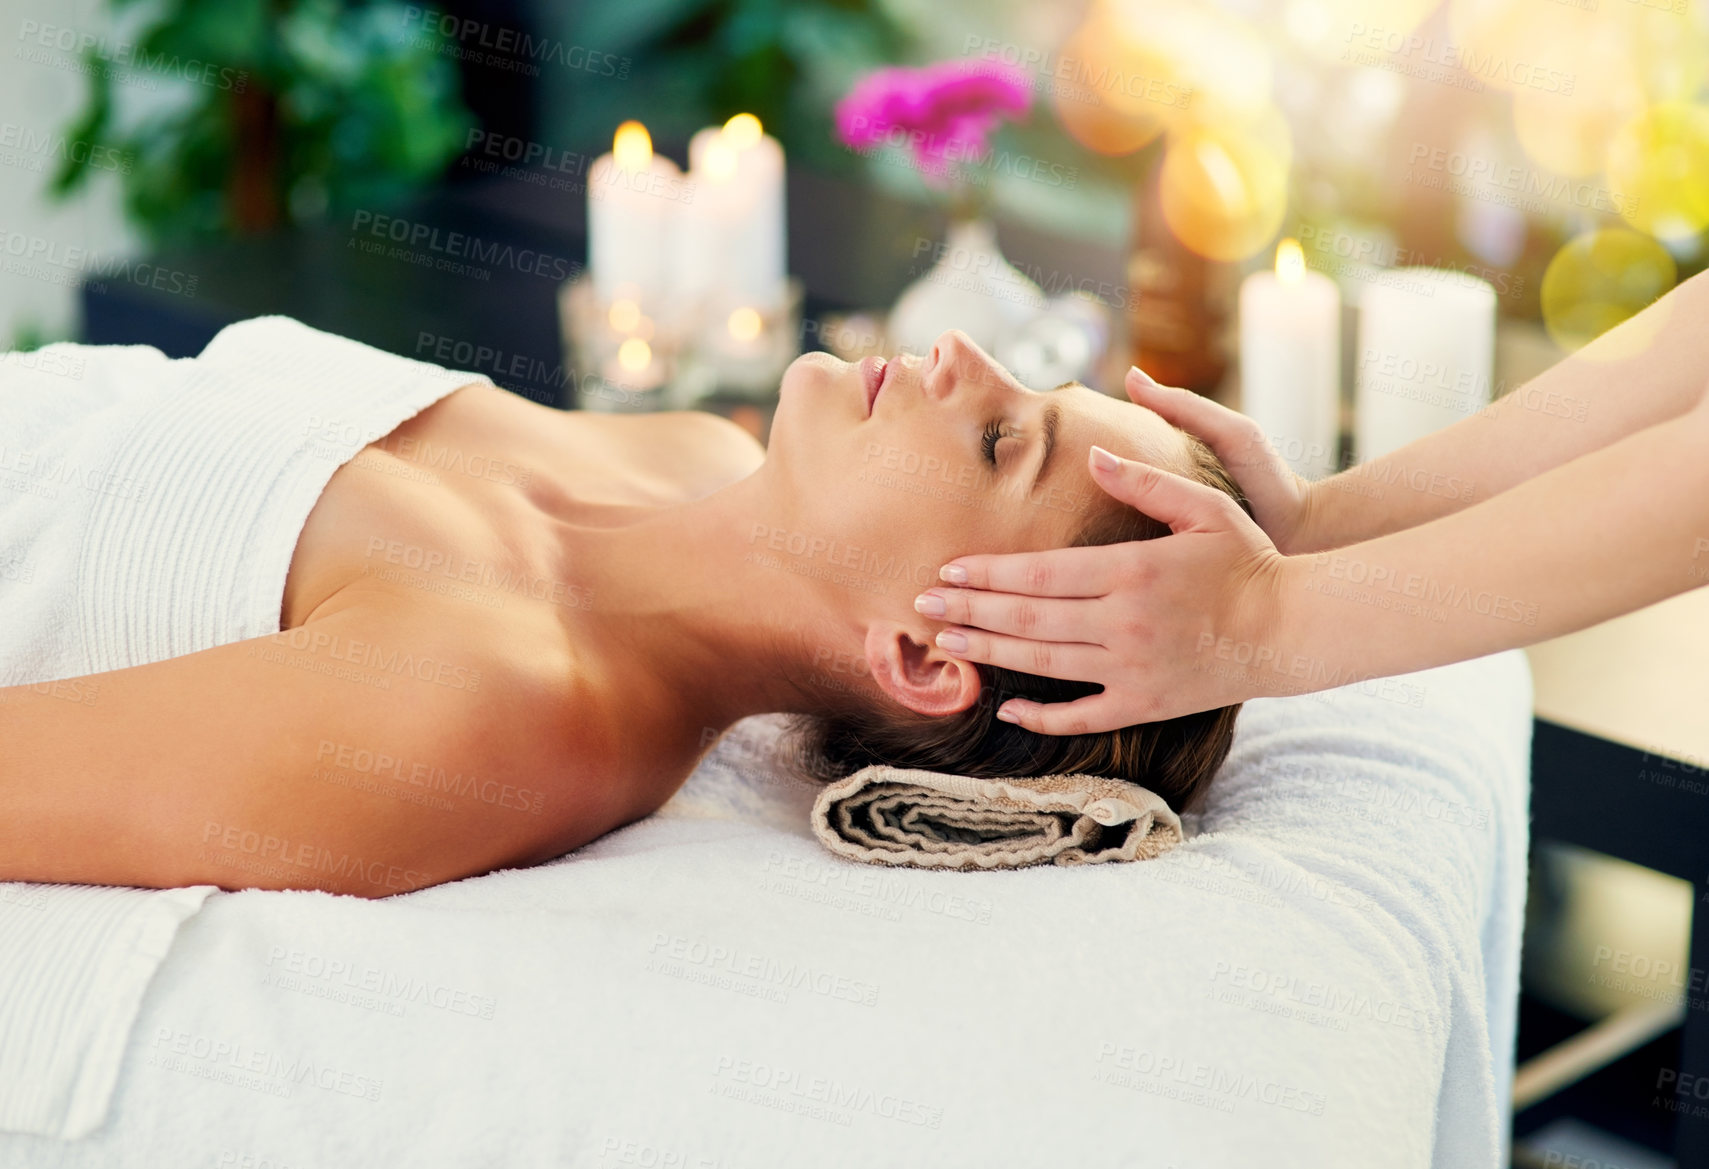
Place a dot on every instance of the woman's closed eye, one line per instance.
(988, 441)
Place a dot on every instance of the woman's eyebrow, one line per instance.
(1052, 415)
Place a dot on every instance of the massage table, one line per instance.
(1324, 974)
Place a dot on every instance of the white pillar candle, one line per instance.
(730, 250)
(1290, 360)
(631, 194)
(1426, 355)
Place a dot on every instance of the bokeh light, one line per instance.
(1224, 195)
(1220, 63)
(1658, 169)
(1329, 29)
(744, 324)
(634, 355)
(1599, 279)
(1091, 103)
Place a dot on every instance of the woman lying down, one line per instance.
(308, 616)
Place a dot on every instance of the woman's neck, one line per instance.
(695, 615)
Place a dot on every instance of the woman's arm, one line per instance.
(1646, 370)
(328, 757)
(1213, 615)
(1610, 531)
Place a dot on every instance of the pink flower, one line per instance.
(942, 113)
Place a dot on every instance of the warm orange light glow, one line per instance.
(1290, 261)
(744, 324)
(632, 147)
(625, 315)
(1224, 195)
(634, 355)
(742, 131)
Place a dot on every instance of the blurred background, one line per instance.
(1230, 192)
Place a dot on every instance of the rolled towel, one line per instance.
(887, 815)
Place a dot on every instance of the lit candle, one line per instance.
(730, 246)
(630, 196)
(1426, 355)
(1290, 360)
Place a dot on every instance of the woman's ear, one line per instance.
(919, 675)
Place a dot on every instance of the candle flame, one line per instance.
(745, 324)
(1290, 262)
(634, 355)
(632, 147)
(742, 131)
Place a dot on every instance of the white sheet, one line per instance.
(1313, 979)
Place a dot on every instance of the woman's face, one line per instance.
(954, 456)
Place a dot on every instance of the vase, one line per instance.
(970, 286)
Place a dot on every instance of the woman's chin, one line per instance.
(811, 371)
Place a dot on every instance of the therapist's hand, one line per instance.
(1148, 620)
(1281, 500)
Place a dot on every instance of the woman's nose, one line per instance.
(953, 360)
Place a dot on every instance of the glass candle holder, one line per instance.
(737, 351)
(624, 357)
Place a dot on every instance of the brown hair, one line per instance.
(1176, 758)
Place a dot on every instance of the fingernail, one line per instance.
(1007, 715)
(953, 573)
(1104, 460)
(951, 640)
(930, 604)
(1143, 376)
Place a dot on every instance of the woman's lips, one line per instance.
(872, 371)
